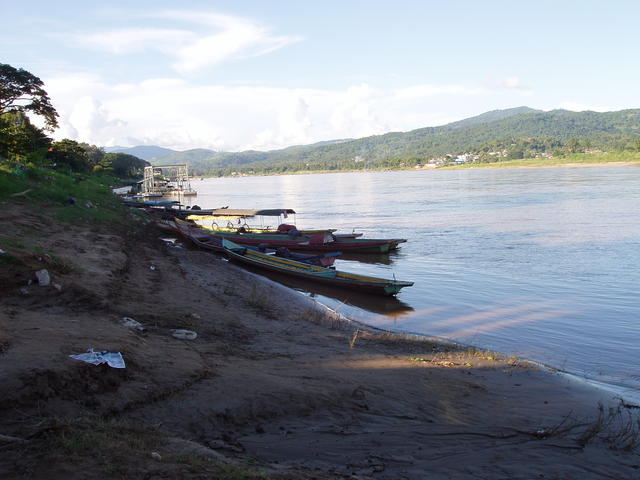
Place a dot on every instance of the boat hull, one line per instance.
(336, 278)
(202, 239)
(307, 243)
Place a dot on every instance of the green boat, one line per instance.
(328, 276)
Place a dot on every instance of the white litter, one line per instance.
(132, 324)
(113, 359)
(184, 334)
(43, 277)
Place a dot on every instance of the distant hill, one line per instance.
(145, 152)
(500, 134)
(492, 116)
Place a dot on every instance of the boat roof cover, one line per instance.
(240, 212)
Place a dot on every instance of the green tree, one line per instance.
(21, 91)
(70, 154)
(125, 166)
(18, 137)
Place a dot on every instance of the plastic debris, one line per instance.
(156, 456)
(132, 324)
(2, 252)
(152, 267)
(113, 359)
(184, 334)
(43, 277)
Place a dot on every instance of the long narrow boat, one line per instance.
(168, 208)
(322, 242)
(352, 281)
(203, 239)
(235, 220)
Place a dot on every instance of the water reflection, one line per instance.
(371, 258)
(389, 306)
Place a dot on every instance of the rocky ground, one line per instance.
(272, 387)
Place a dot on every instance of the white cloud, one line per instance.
(514, 83)
(427, 90)
(581, 107)
(208, 40)
(176, 113)
(136, 40)
(356, 112)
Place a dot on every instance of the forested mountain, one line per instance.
(501, 134)
(145, 152)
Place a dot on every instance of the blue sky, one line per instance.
(232, 75)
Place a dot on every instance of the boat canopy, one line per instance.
(245, 213)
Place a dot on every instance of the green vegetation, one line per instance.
(22, 92)
(24, 145)
(70, 179)
(497, 137)
(67, 196)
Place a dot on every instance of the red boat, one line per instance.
(202, 238)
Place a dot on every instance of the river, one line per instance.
(541, 263)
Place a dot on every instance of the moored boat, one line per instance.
(203, 239)
(362, 283)
(236, 220)
(321, 242)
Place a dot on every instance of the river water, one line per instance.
(541, 263)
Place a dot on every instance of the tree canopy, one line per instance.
(21, 91)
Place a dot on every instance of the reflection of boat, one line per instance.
(351, 281)
(390, 306)
(371, 258)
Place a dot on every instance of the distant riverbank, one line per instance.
(615, 159)
(604, 159)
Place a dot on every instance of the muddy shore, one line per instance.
(272, 387)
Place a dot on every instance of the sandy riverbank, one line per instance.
(272, 384)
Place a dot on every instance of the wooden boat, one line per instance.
(203, 239)
(166, 208)
(352, 281)
(150, 203)
(235, 220)
(321, 242)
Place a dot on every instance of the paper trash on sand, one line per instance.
(113, 359)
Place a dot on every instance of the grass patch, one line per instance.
(260, 300)
(114, 448)
(111, 445)
(18, 253)
(327, 318)
(45, 188)
(196, 464)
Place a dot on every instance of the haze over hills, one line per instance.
(512, 133)
(145, 152)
